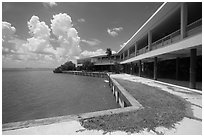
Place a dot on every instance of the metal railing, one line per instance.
(171, 38)
(191, 29)
(106, 61)
(194, 28)
(143, 50)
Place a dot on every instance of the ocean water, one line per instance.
(31, 94)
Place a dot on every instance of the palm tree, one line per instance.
(109, 53)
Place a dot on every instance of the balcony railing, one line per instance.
(106, 61)
(171, 38)
(192, 29)
(143, 50)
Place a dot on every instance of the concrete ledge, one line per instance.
(91, 74)
(52, 120)
(126, 95)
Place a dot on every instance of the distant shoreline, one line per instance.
(27, 69)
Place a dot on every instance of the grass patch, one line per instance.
(160, 109)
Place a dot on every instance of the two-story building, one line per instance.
(168, 44)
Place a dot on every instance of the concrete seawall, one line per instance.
(91, 74)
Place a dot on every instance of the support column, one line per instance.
(123, 55)
(135, 48)
(184, 17)
(131, 68)
(149, 40)
(140, 68)
(177, 68)
(128, 53)
(193, 69)
(155, 68)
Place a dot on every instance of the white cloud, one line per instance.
(92, 42)
(38, 29)
(122, 45)
(93, 53)
(114, 32)
(81, 20)
(10, 43)
(113, 52)
(40, 47)
(39, 42)
(49, 4)
(7, 31)
(61, 26)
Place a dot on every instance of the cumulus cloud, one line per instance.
(10, 43)
(7, 31)
(93, 42)
(114, 31)
(39, 42)
(93, 53)
(61, 26)
(49, 4)
(40, 46)
(81, 20)
(38, 28)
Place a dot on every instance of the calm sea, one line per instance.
(31, 94)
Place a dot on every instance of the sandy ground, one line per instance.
(185, 127)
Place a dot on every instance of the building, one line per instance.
(168, 44)
(101, 62)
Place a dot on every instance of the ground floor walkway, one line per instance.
(180, 83)
(187, 126)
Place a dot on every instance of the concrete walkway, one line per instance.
(186, 127)
(180, 83)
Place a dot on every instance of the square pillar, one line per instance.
(131, 68)
(149, 40)
(135, 48)
(123, 55)
(140, 68)
(184, 19)
(155, 68)
(177, 68)
(193, 68)
(128, 53)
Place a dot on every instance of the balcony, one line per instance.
(192, 29)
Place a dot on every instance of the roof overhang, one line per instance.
(161, 14)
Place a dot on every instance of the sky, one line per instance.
(47, 34)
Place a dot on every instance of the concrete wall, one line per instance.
(91, 74)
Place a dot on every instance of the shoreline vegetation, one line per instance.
(160, 109)
(69, 65)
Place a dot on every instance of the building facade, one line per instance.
(169, 45)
